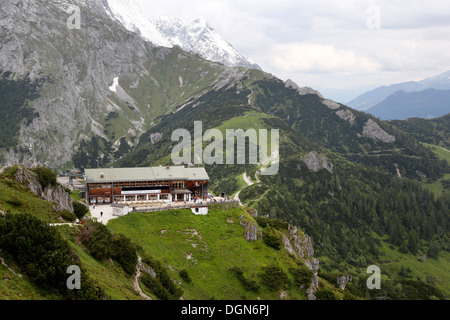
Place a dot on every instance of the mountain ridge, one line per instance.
(401, 105)
(377, 95)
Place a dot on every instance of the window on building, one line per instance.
(178, 185)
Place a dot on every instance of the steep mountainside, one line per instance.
(431, 131)
(99, 81)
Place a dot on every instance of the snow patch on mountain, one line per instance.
(198, 36)
(113, 88)
(130, 15)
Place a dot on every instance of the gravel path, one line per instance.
(136, 280)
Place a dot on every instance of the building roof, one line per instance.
(145, 174)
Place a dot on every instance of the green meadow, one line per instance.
(207, 247)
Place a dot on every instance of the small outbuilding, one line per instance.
(120, 210)
(200, 210)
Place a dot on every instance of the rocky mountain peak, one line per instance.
(198, 36)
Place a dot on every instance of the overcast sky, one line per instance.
(341, 48)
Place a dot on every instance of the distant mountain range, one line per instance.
(427, 98)
(429, 104)
(197, 37)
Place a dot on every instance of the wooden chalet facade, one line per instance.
(122, 185)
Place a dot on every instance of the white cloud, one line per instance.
(311, 57)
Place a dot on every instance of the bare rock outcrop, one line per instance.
(346, 115)
(373, 130)
(252, 232)
(300, 246)
(315, 162)
(301, 91)
(155, 137)
(55, 194)
(342, 281)
(333, 105)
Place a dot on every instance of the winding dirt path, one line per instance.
(136, 280)
(249, 183)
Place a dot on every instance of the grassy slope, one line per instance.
(436, 187)
(207, 247)
(115, 282)
(110, 276)
(391, 260)
(220, 245)
(16, 286)
(19, 199)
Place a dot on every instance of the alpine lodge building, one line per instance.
(122, 185)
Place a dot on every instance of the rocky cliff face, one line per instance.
(315, 162)
(373, 130)
(342, 281)
(296, 243)
(97, 81)
(346, 115)
(55, 194)
(300, 246)
(303, 90)
(252, 232)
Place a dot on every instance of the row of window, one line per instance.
(130, 184)
(162, 197)
(130, 198)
